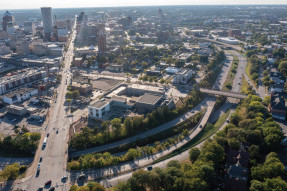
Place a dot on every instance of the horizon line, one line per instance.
(119, 6)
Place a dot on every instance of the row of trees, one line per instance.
(99, 160)
(212, 74)
(254, 67)
(91, 186)
(118, 129)
(250, 123)
(268, 176)
(21, 143)
(218, 59)
(200, 175)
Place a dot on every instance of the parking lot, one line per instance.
(33, 122)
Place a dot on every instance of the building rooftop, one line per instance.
(15, 107)
(20, 91)
(7, 79)
(99, 104)
(147, 88)
(7, 13)
(79, 58)
(80, 85)
(149, 98)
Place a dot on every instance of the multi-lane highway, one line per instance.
(53, 157)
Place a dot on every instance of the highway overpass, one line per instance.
(222, 93)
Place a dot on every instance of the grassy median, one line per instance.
(206, 133)
(231, 74)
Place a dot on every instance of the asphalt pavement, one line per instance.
(54, 155)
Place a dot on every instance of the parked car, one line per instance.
(149, 168)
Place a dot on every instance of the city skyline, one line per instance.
(31, 4)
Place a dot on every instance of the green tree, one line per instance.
(69, 95)
(11, 172)
(83, 188)
(128, 123)
(275, 184)
(174, 163)
(122, 186)
(212, 152)
(73, 188)
(75, 94)
(254, 152)
(132, 154)
(234, 144)
(194, 154)
(256, 186)
(283, 67)
(195, 184)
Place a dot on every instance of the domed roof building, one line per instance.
(7, 13)
(8, 20)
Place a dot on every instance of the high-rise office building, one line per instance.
(102, 42)
(8, 20)
(47, 20)
(29, 27)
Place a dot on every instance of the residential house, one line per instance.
(277, 106)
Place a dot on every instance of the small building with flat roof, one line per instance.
(16, 110)
(148, 102)
(19, 95)
(82, 88)
(99, 109)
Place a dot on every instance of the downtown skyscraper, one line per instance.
(47, 20)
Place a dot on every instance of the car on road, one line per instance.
(38, 167)
(48, 182)
(57, 131)
(227, 121)
(64, 177)
(82, 176)
(41, 158)
(149, 168)
(48, 134)
(200, 126)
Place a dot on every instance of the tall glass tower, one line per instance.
(47, 20)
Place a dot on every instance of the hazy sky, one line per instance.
(26, 4)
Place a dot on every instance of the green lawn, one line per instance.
(203, 135)
(231, 74)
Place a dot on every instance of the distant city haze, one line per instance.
(30, 4)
